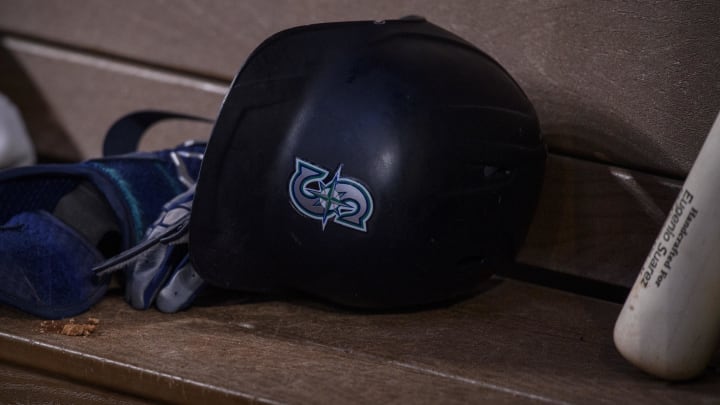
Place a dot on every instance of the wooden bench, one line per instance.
(625, 92)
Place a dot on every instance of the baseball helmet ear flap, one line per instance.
(372, 164)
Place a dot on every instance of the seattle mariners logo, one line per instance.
(344, 201)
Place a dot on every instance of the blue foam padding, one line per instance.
(135, 186)
(33, 193)
(47, 267)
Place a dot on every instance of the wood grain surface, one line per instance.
(69, 99)
(628, 83)
(512, 343)
(20, 385)
(597, 221)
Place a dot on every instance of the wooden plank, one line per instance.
(593, 220)
(597, 221)
(512, 343)
(194, 359)
(628, 83)
(25, 386)
(70, 99)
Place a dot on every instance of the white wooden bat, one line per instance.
(670, 323)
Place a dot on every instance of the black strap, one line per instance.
(125, 134)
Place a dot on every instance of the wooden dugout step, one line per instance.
(513, 343)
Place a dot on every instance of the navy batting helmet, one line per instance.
(374, 164)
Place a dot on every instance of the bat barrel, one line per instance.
(670, 323)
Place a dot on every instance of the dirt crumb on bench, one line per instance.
(70, 327)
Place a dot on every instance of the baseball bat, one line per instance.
(670, 323)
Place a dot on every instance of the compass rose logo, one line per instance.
(341, 200)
